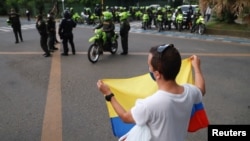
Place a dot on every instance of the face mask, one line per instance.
(152, 75)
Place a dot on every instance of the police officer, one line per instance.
(98, 11)
(65, 31)
(189, 17)
(107, 25)
(16, 24)
(159, 18)
(51, 28)
(197, 13)
(124, 30)
(28, 14)
(42, 29)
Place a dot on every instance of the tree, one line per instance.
(2, 8)
(227, 10)
(239, 6)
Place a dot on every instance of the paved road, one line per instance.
(55, 99)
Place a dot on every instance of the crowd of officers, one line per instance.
(47, 27)
(136, 13)
(47, 31)
(166, 12)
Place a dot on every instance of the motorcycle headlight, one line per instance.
(96, 31)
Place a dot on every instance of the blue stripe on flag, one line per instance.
(119, 127)
(197, 107)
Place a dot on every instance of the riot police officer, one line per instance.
(42, 29)
(65, 32)
(197, 13)
(98, 11)
(14, 19)
(124, 30)
(107, 25)
(51, 28)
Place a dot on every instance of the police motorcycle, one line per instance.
(89, 17)
(138, 14)
(77, 18)
(200, 26)
(168, 20)
(159, 20)
(179, 21)
(100, 44)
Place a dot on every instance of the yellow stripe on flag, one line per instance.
(128, 90)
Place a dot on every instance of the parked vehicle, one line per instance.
(184, 9)
(155, 6)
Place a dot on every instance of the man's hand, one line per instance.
(104, 88)
(199, 79)
(195, 63)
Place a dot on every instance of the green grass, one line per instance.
(226, 26)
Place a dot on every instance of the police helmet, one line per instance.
(107, 15)
(66, 14)
(123, 15)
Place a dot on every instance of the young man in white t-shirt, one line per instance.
(168, 110)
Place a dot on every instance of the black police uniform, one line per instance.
(16, 25)
(65, 31)
(42, 29)
(124, 30)
(51, 28)
(98, 11)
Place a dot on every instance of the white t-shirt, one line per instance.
(166, 114)
(208, 10)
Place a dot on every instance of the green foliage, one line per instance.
(225, 26)
(41, 6)
(2, 8)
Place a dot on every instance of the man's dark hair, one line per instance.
(168, 62)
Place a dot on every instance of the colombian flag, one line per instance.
(128, 90)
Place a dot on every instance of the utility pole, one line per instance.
(63, 5)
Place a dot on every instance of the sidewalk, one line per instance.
(136, 28)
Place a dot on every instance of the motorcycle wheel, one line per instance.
(159, 27)
(179, 27)
(201, 29)
(169, 26)
(93, 53)
(114, 47)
